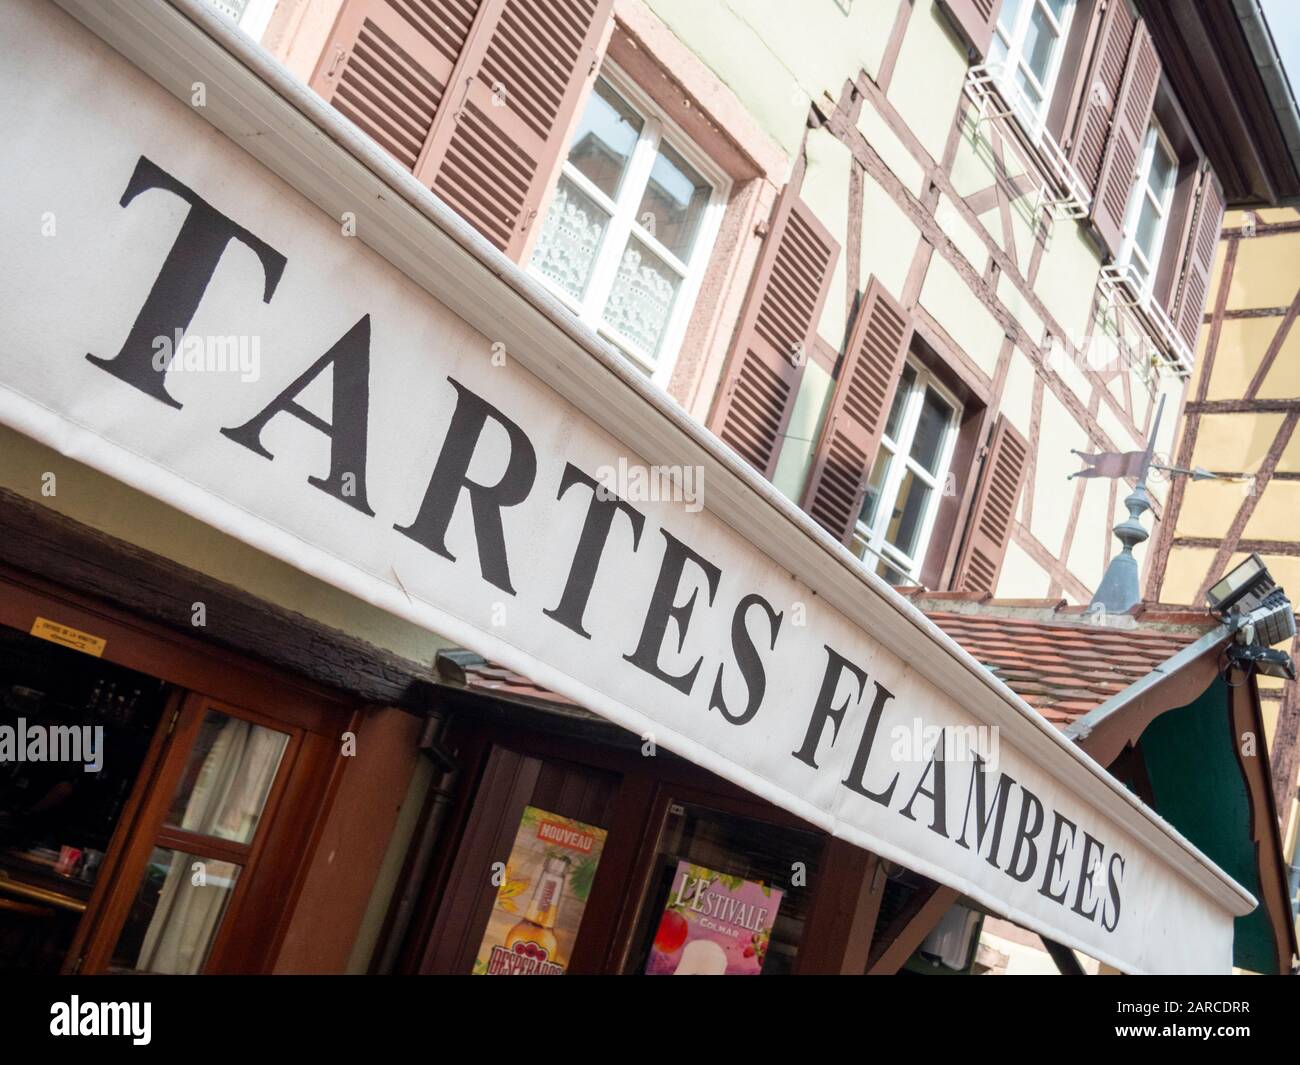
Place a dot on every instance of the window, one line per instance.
(629, 229)
(906, 482)
(1027, 47)
(1147, 215)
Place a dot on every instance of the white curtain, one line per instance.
(229, 793)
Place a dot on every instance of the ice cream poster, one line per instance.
(541, 897)
(713, 925)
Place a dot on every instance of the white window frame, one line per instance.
(623, 224)
(253, 18)
(1033, 116)
(870, 539)
(1163, 203)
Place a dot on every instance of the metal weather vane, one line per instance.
(1120, 590)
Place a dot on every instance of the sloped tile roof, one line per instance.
(1054, 657)
(1051, 654)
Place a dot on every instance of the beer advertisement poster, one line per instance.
(541, 897)
(713, 924)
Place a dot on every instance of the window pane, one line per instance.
(931, 428)
(642, 297)
(1032, 96)
(570, 239)
(891, 573)
(1058, 8)
(1007, 16)
(176, 914)
(1147, 227)
(735, 849)
(905, 385)
(605, 138)
(874, 485)
(227, 778)
(1162, 171)
(673, 202)
(905, 525)
(1040, 43)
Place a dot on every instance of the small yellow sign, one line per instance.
(69, 637)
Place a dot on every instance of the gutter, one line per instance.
(1268, 62)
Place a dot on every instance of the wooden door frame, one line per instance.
(201, 674)
(648, 786)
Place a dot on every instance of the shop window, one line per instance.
(908, 477)
(1028, 43)
(764, 871)
(631, 223)
(204, 846)
(76, 734)
(1146, 218)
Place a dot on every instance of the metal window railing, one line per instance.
(1126, 292)
(999, 99)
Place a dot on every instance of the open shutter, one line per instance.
(1137, 96)
(864, 393)
(474, 96)
(387, 65)
(515, 93)
(974, 20)
(994, 510)
(1188, 304)
(775, 334)
(1114, 38)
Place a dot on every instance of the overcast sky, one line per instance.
(1284, 21)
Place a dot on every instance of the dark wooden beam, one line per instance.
(43, 542)
(1066, 961)
(895, 944)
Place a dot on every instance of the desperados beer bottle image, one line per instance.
(530, 946)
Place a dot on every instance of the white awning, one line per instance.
(413, 420)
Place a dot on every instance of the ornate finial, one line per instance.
(1120, 589)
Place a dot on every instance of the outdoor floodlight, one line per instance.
(1247, 584)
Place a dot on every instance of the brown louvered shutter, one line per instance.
(974, 20)
(994, 510)
(855, 422)
(1137, 96)
(1098, 109)
(775, 334)
(474, 96)
(387, 66)
(1188, 303)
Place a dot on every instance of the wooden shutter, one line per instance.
(855, 422)
(1188, 304)
(387, 66)
(1114, 38)
(989, 529)
(475, 97)
(775, 334)
(974, 20)
(1137, 96)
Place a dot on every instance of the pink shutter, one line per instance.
(513, 94)
(864, 392)
(994, 511)
(387, 64)
(1132, 116)
(1098, 109)
(475, 97)
(775, 334)
(1188, 304)
(974, 20)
